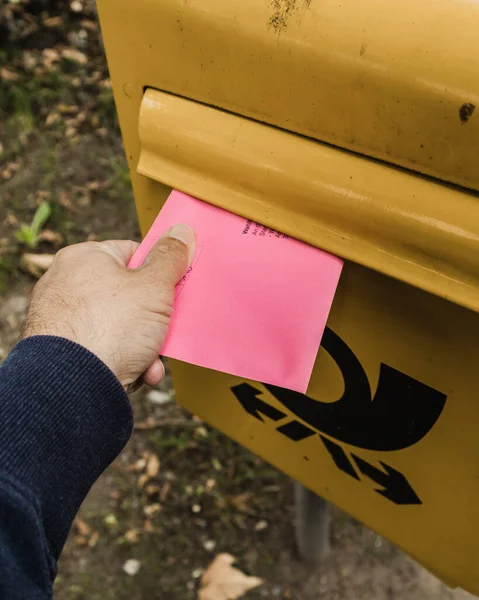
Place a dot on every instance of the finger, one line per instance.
(171, 256)
(155, 373)
(135, 386)
(120, 250)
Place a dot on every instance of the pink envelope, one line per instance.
(254, 302)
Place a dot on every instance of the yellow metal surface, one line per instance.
(382, 322)
(393, 80)
(410, 228)
(388, 429)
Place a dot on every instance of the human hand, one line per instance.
(122, 315)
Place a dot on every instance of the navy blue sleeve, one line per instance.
(64, 418)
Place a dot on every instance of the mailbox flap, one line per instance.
(408, 227)
(392, 80)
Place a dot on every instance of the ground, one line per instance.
(181, 492)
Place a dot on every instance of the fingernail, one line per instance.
(185, 234)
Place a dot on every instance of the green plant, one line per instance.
(29, 234)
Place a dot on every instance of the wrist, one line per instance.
(88, 343)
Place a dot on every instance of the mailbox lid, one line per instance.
(400, 224)
(392, 80)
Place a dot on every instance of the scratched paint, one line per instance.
(283, 10)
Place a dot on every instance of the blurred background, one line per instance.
(181, 493)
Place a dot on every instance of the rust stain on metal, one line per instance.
(283, 10)
(465, 112)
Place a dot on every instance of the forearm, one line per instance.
(64, 418)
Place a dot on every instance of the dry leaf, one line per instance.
(152, 489)
(148, 527)
(93, 541)
(240, 502)
(42, 195)
(139, 465)
(50, 56)
(132, 536)
(142, 479)
(81, 541)
(153, 466)
(67, 109)
(149, 423)
(165, 491)
(80, 118)
(151, 509)
(29, 60)
(51, 22)
(8, 75)
(93, 185)
(53, 237)
(64, 200)
(261, 525)
(82, 527)
(75, 55)
(12, 321)
(14, 166)
(36, 264)
(222, 581)
(201, 432)
(12, 220)
(87, 24)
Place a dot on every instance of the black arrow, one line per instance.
(339, 457)
(247, 396)
(396, 487)
(401, 413)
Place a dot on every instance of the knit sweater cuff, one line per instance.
(65, 417)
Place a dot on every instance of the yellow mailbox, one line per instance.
(351, 126)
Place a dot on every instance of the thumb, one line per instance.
(171, 256)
